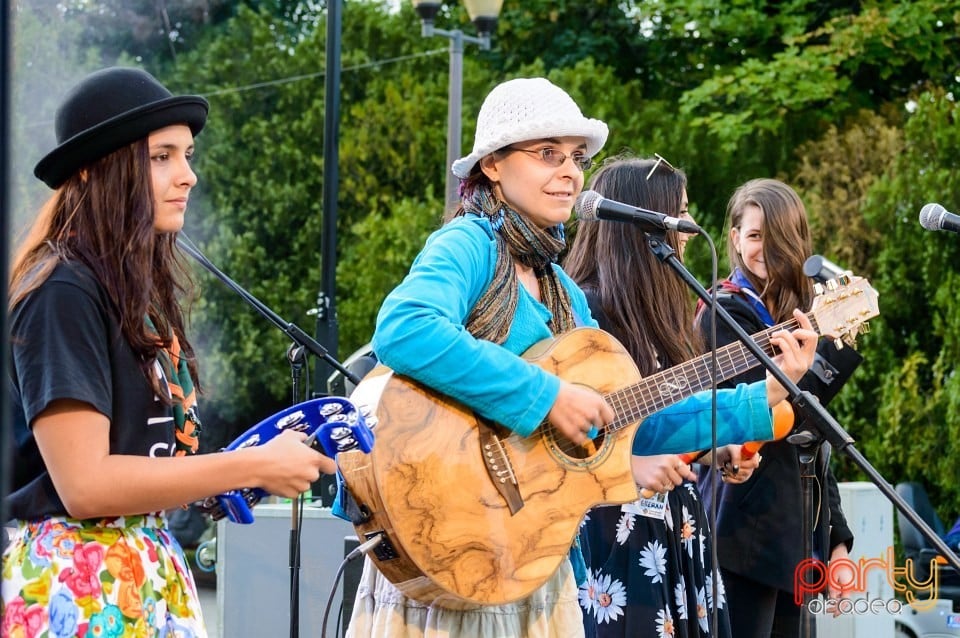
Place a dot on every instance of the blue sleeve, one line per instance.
(420, 332)
(742, 415)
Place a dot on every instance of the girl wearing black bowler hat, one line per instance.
(102, 377)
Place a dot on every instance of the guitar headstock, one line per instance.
(843, 306)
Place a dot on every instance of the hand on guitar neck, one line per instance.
(797, 349)
(578, 409)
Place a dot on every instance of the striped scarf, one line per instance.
(531, 246)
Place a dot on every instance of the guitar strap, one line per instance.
(345, 506)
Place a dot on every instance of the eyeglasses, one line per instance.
(660, 160)
(553, 157)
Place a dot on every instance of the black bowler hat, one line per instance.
(108, 110)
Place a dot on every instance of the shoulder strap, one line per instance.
(726, 289)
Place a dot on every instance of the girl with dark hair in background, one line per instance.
(650, 565)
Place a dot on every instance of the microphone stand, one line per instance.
(296, 357)
(805, 405)
(807, 446)
(296, 334)
(7, 459)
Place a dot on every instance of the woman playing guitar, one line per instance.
(484, 289)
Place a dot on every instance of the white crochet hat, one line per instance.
(528, 109)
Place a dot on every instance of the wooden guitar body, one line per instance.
(428, 488)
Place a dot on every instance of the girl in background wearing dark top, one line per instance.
(758, 533)
(106, 424)
(657, 560)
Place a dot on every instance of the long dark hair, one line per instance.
(649, 308)
(786, 245)
(102, 216)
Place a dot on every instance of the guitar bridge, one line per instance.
(498, 465)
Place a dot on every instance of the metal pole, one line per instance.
(454, 100)
(328, 333)
(6, 424)
(454, 108)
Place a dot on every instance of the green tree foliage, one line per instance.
(379, 252)
(46, 61)
(864, 185)
(835, 174)
(264, 228)
(561, 33)
(811, 92)
(908, 418)
(867, 57)
(770, 76)
(149, 31)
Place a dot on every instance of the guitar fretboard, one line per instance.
(638, 401)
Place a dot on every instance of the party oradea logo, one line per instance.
(812, 576)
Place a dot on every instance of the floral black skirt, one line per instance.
(650, 575)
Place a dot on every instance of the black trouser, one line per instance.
(761, 611)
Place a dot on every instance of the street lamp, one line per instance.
(484, 15)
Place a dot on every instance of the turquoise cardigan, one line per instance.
(420, 333)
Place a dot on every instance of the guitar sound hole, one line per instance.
(584, 451)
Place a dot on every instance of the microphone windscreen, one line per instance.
(820, 268)
(811, 267)
(931, 216)
(586, 206)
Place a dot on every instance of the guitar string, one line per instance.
(637, 401)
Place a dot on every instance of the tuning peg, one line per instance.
(838, 343)
(818, 289)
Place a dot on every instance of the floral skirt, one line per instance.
(114, 578)
(650, 576)
(382, 611)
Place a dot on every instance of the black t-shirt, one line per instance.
(66, 343)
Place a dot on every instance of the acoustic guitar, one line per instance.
(470, 513)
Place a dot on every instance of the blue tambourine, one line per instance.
(333, 421)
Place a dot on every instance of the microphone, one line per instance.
(591, 205)
(936, 217)
(821, 269)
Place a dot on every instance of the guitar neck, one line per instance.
(638, 401)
